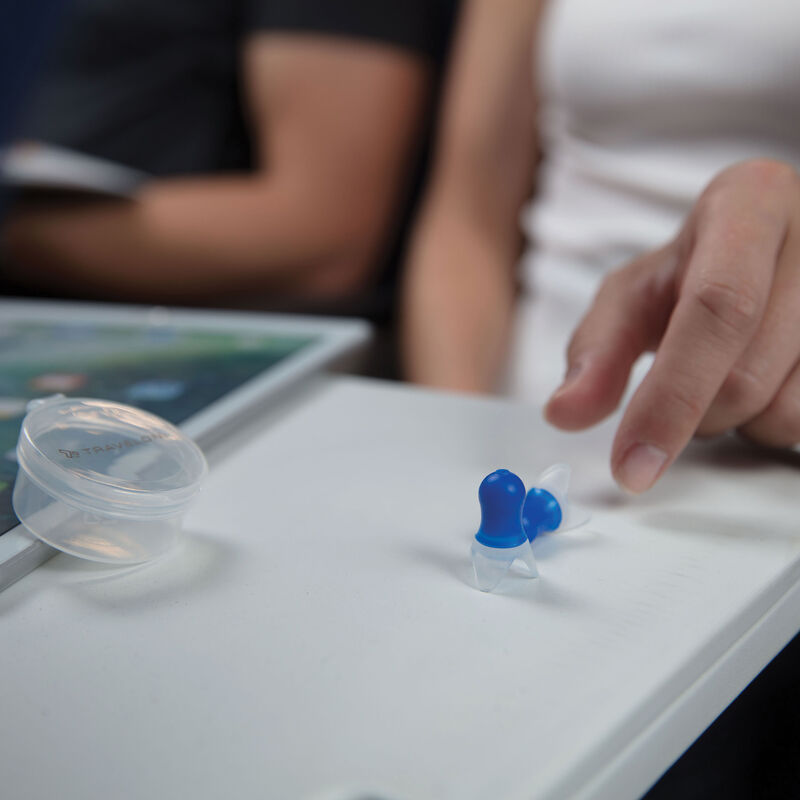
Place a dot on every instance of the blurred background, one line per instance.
(251, 154)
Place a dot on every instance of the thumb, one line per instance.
(627, 317)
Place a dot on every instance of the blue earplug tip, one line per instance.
(540, 513)
(501, 495)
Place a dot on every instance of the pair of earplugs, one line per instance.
(512, 519)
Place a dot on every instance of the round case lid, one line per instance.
(109, 458)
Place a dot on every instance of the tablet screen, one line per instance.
(172, 372)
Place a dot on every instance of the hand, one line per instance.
(720, 305)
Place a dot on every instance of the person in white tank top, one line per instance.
(665, 140)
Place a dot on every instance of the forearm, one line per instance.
(332, 124)
(191, 237)
(460, 285)
(458, 306)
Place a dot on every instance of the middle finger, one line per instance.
(766, 362)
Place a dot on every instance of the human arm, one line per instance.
(334, 122)
(459, 286)
(719, 305)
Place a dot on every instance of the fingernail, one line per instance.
(573, 371)
(640, 467)
(572, 375)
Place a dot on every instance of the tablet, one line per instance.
(206, 371)
(40, 168)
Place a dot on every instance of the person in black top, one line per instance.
(280, 134)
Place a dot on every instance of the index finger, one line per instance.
(721, 300)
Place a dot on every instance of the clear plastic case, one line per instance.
(104, 481)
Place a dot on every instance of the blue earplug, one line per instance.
(511, 520)
(547, 506)
(501, 496)
(501, 538)
(541, 512)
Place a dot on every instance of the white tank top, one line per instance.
(641, 104)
